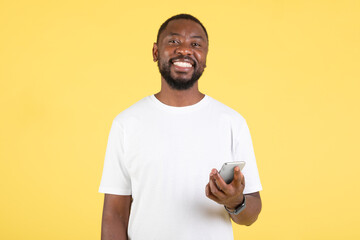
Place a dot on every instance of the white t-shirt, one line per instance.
(162, 156)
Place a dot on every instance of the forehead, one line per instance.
(183, 27)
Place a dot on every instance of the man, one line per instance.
(157, 175)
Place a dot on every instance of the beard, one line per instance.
(179, 83)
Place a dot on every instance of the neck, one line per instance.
(179, 98)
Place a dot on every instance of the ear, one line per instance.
(155, 52)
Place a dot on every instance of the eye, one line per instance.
(195, 44)
(173, 41)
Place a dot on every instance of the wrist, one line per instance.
(237, 209)
(233, 207)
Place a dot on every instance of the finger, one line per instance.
(221, 183)
(215, 190)
(242, 181)
(237, 176)
(209, 194)
(212, 178)
(207, 190)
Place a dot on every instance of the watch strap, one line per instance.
(238, 209)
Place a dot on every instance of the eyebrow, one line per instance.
(178, 34)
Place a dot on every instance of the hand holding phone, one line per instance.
(227, 170)
(226, 186)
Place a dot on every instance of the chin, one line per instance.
(182, 78)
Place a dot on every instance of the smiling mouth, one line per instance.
(183, 64)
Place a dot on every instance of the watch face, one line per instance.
(242, 206)
(238, 209)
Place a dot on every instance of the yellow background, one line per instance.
(291, 68)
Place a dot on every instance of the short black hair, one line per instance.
(180, 16)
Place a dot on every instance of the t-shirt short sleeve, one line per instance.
(244, 151)
(115, 178)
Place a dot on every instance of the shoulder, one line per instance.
(134, 112)
(225, 111)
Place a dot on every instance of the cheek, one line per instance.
(164, 57)
(167, 56)
(166, 52)
(201, 59)
(201, 55)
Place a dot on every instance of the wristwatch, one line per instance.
(238, 209)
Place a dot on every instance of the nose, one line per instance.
(184, 50)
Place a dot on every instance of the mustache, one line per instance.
(183, 58)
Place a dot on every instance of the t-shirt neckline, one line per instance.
(184, 109)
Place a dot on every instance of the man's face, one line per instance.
(181, 53)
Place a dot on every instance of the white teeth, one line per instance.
(182, 64)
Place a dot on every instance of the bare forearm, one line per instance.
(251, 212)
(113, 228)
(115, 217)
